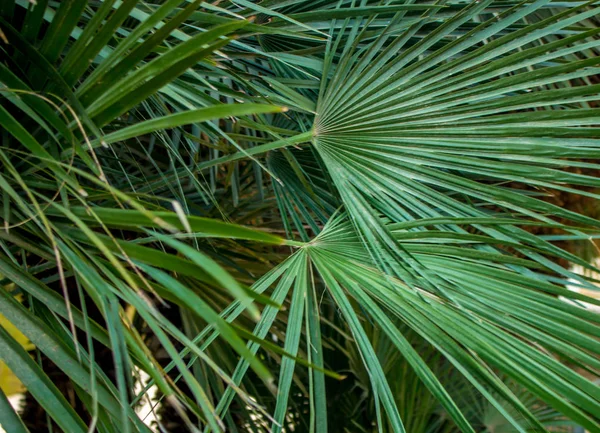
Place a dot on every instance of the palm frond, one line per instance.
(300, 215)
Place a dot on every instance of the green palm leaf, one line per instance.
(300, 215)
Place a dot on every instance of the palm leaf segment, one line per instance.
(415, 131)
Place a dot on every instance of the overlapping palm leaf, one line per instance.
(133, 137)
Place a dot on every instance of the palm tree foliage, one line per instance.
(300, 215)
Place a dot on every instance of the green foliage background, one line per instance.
(300, 215)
